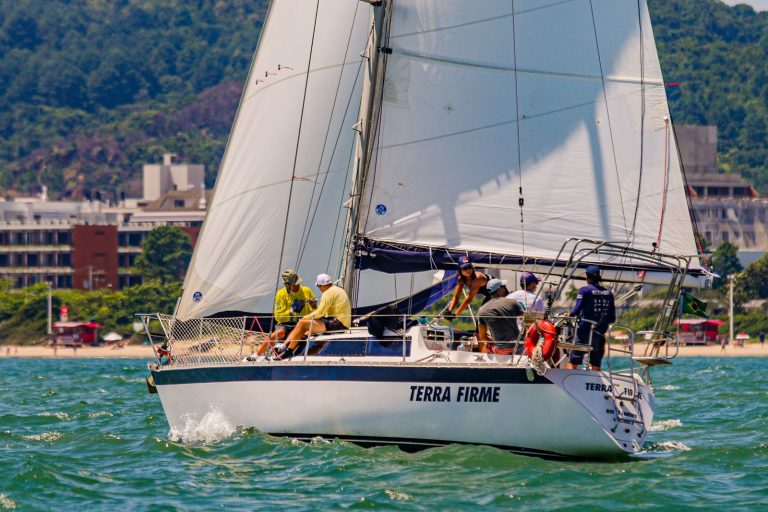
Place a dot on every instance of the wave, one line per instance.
(665, 425)
(46, 436)
(7, 503)
(397, 495)
(213, 427)
(58, 415)
(668, 446)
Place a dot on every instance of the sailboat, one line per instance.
(379, 141)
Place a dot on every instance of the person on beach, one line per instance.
(475, 281)
(723, 343)
(334, 313)
(596, 310)
(499, 316)
(761, 337)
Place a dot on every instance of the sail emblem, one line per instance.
(197, 296)
(381, 209)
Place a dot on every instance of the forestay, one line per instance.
(562, 100)
(284, 173)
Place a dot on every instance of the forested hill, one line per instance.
(92, 89)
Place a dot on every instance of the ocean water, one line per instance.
(85, 435)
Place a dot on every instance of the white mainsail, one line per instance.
(284, 174)
(564, 99)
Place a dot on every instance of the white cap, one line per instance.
(323, 279)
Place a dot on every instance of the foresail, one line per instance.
(277, 201)
(558, 105)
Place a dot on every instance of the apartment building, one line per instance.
(94, 244)
(727, 208)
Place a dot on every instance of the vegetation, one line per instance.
(724, 263)
(165, 254)
(23, 313)
(91, 90)
(718, 54)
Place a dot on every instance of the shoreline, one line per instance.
(146, 352)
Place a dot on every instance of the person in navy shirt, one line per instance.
(594, 303)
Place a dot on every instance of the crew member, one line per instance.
(594, 303)
(334, 313)
(291, 303)
(470, 278)
(526, 295)
(499, 315)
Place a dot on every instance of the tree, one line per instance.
(165, 254)
(724, 263)
(753, 282)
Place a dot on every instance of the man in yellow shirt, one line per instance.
(334, 313)
(291, 302)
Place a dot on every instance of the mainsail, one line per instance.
(284, 174)
(508, 127)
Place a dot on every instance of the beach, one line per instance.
(145, 351)
(103, 352)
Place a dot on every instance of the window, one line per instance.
(178, 203)
(724, 236)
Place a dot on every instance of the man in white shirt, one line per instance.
(526, 296)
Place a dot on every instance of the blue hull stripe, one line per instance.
(169, 376)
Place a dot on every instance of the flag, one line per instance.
(693, 306)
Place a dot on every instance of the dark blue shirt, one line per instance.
(594, 303)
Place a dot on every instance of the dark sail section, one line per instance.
(396, 258)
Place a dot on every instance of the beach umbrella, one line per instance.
(112, 336)
(742, 336)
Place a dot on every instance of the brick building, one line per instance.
(91, 244)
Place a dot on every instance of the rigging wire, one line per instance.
(311, 213)
(298, 140)
(377, 109)
(642, 121)
(375, 121)
(608, 115)
(665, 181)
(521, 198)
(608, 112)
(691, 211)
(350, 163)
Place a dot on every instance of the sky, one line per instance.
(759, 5)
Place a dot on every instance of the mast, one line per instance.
(364, 128)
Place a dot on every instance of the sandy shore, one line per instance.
(129, 351)
(145, 352)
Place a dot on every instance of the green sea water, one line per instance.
(85, 435)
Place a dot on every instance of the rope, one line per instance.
(666, 185)
(642, 121)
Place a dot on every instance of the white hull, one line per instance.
(565, 413)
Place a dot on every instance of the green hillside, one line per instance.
(719, 55)
(92, 89)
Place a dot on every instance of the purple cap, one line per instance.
(528, 278)
(464, 262)
(593, 271)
